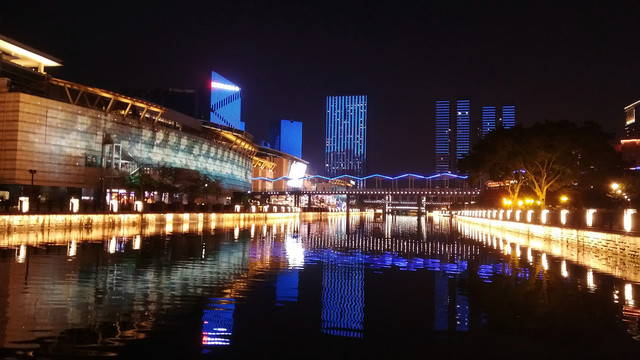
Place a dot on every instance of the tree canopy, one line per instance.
(544, 157)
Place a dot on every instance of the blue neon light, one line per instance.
(365, 177)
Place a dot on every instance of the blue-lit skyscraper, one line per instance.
(453, 139)
(346, 135)
(286, 136)
(443, 141)
(508, 116)
(463, 141)
(488, 119)
(225, 102)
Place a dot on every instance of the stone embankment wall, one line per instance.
(613, 253)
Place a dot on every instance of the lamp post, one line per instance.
(32, 172)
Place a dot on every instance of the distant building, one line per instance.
(225, 102)
(453, 139)
(488, 119)
(286, 136)
(508, 119)
(631, 139)
(346, 135)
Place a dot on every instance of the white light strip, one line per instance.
(217, 85)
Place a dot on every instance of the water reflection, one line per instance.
(228, 286)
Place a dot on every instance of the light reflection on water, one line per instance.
(224, 289)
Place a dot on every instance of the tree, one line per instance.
(546, 156)
(496, 157)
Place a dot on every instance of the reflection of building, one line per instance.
(343, 294)
(270, 164)
(83, 141)
(225, 102)
(346, 135)
(286, 136)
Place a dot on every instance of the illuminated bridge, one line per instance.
(407, 192)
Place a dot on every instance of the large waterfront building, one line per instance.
(61, 140)
(346, 135)
(225, 102)
(453, 138)
(286, 136)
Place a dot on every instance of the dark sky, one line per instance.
(556, 60)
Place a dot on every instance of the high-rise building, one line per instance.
(453, 139)
(225, 102)
(463, 144)
(488, 119)
(286, 136)
(508, 116)
(443, 140)
(346, 135)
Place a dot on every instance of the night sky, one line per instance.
(555, 60)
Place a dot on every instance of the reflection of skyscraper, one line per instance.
(286, 136)
(225, 102)
(343, 294)
(346, 135)
(217, 322)
(453, 140)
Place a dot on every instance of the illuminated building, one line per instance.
(346, 135)
(453, 139)
(225, 102)
(275, 170)
(84, 141)
(508, 116)
(631, 138)
(286, 136)
(488, 119)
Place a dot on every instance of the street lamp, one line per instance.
(32, 172)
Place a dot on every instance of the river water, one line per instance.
(330, 287)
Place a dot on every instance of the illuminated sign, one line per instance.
(631, 115)
(296, 173)
(218, 85)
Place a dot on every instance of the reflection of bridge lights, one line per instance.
(628, 295)
(563, 269)
(236, 233)
(253, 230)
(590, 283)
(112, 245)
(72, 248)
(264, 230)
(21, 255)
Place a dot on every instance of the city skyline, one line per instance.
(287, 58)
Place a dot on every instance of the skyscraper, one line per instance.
(488, 119)
(443, 141)
(286, 136)
(346, 135)
(452, 139)
(508, 116)
(462, 129)
(225, 102)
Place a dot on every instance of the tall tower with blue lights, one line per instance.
(286, 136)
(443, 140)
(225, 102)
(488, 119)
(346, 135)
(453, 140)
(508, 116)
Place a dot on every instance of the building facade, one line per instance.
(631, 139)
(453, 138)
(346, 135)
(226, 99)
(286, 136)
(61, 140)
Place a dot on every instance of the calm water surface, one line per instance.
(330, 288)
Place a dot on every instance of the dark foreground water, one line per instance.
(331, 288)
